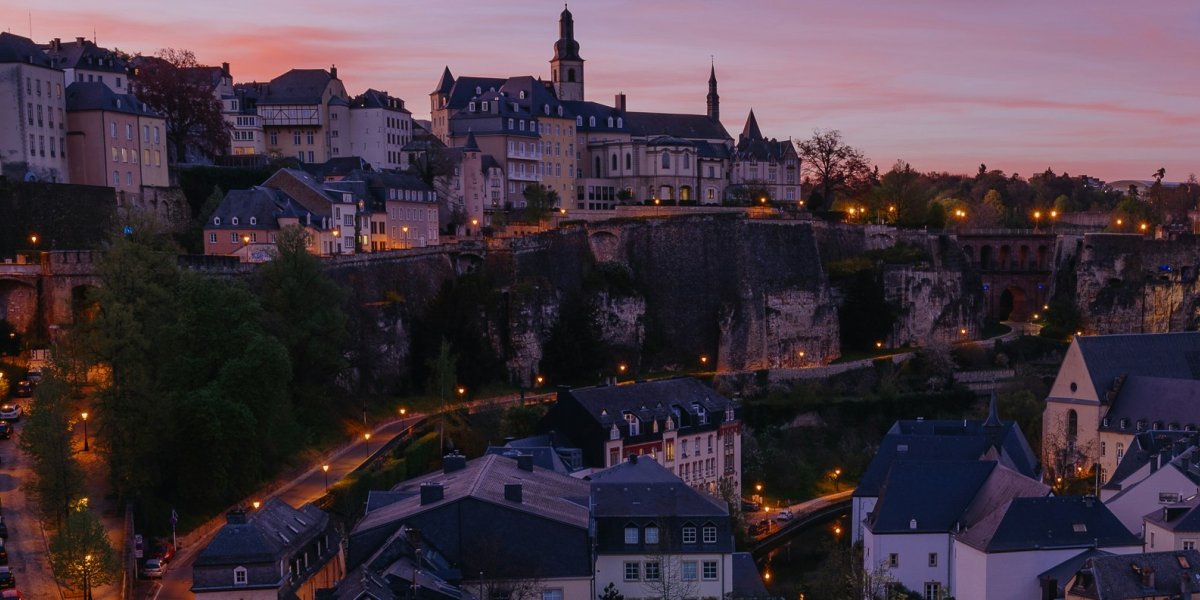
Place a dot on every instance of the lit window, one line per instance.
(651, 534)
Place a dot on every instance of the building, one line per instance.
(1003, 556)
(334, 211)
(305, 113)
(1148, 576)
(83, 61)
(33, 142)
(115, 140)
(380, 127)
(1160, 469)
(765, 169)
(1113, 387)
(910, 532)
(239, 107)
(247, 222)
(937, 440)
(400, 213)
(479, 518)
(693, 431)
(656, 536)
(275, 551)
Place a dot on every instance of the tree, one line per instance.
(80, 553)
(902, 195)
(443, 381)
(611, 593)
(670, 582)
(47, 438)
(833, 165)
(539, 202)
(180, 89)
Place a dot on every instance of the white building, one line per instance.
(380, 127)
(1156, 473)
(33, 122)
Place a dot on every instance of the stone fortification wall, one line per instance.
(1131, 284)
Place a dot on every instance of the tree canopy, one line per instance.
(181, 90)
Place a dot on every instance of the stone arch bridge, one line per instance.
(46, 293)
(1017, 267)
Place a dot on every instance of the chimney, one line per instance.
(236, 516)
(1148, 577)
(453, 462)
(79, 40)
(57, 44)
(225, 68)
(633, 459)
(333, 71)
(619, 104)
(512, 492)
(525, 462)
(431, 492)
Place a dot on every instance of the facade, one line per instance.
(1002, 556)
(1174, 526)
(380, 127)
(765, 169)
(83, 61)
(239, 106)
(1148, 576)
(1153, 474)
(334, 212)
(655, 535)
(928, 440)
(305, 113)
(1113, 387)
(115, 140)
(247, 222)
(400, 212)
(33, 142)
(693, 431)
(273, 552)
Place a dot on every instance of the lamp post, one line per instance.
(85, 431)
(256, 504)
(87, 577)
(325, 468)
(1037, 219)
(540, 380)
(405, 243)
(367, 439)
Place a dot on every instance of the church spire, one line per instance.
(714, 101)
(566, 68)
(993, 418)
(751, 131)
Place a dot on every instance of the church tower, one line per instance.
(714, 101)
(566, 68)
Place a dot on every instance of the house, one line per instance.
(1153, 575)
(924, 505)
(33, 142)
(247, 222)
(1165, 472)
(1174, 526)
(1113, 387)
(380, 127)
(687, 426)
(305, 113)
(480, 517)
(765, 168)
(115, 140)
(84, 61)
(654, 534)
(334, 211)
(941, 440)
(1003, 555)
(274, 551)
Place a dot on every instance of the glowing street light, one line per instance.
(367, 439)
(85, 431)
(878, 345)
(704, 359)
(540, 380)
(325, 468)
(403, 411)
(621, 368)
(256, 504)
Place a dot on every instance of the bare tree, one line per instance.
(181, 90)
(665, 578)
(833, 165)
(1065, 457)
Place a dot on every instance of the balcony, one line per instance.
(530, 153)
(523, 176)
(277, 116)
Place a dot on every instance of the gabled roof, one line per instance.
(747, 582)
(17, 49)
(649, 400)
(264, 205)
(751, 131)
(1156, 400)
(86, 55)
(908, 506)
(1171, 355)
(373, 98)
(685, 126)
(1179, 517)
(1050, 523)
(297, 86)
(267, 534)
(93, 95)
(1145, 575)
(1062, 573)
(1147, 446)
(640, 487)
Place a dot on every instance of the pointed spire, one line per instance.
(446, 83)
(751, 130)
(712, 72)
(714, 101)
(471, 145)
(993, 419)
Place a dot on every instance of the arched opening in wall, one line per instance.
(18, 305)
(1014, 305)
(1005, 258)
(571, 75)
(685, 193)
(84, 306)
(666, 192)
(1023, 258)
(985, 258)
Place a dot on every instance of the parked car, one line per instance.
(11, 594)
(784, 515)
(759, 527)
(154, 568)
(10, 411)
(750, 507)
(34, 376)
(23, 389)
(7, 579)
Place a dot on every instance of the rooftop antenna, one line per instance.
(31, 24)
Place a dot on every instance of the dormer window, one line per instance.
(484, 106)
(239, 576)
(620, 123)
(700, 416)
(651, 534)
(591, 121)
(522, 94)
(516, 107)
(471, 107)
(610, 122)
(216, 220)
(546, 109)
(689, 534)
(510, 124)
(560, 111)
(254, 220)
(234, 220)
(632, 534)
(478, 90)
(579, 121)
(614, 433)
(633, 422)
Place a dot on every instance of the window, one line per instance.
(510, 124)
(128, 131)
(296, 138)
(933, 559)
(689, 535)
(1189, 544)
(112, 129)
(1120, 451)
(234, 221)
(614, 162)
(893, 560)
(688, 570)
(709, 570)
(239, 576)
(233, 237)
(1072, 424)
(653, 570)
(652, 534)
(216, 220)
(632, 571)
(155, 134)
(933, 590)
(128, 177)
(116, 178)
(710, 534)
(592, 121)
(1168, 497)
(310, 138)
(631, 534)
(274, 138)
(552, 594)
(666, 160)
(254, 220)
(212, 238)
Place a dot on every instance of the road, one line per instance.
(798, 511)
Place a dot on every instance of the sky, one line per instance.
(1098, 87)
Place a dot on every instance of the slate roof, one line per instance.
(297, 86)
(84, 54)
(265, 205)
(686, 126)
(17, 49)
(585, 109)
(339, 166)
(747, 583)
(649, 400)
(93, 95)
(1179, 517)
(373, 98)
(1053, 522)
(544, 493)
(750, 131)
(446, 83)
(1125, 577)
(1167, 402)
(270, 532)
(1171, 355)
(543, 456)
(537, 97)
(640, 487)
(1062, 573)
(908, 504)
(464, 89)
(1145, 446)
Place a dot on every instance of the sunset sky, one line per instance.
(1106, 88)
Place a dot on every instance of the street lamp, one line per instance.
(256, 504)
(87, 577)
(835, 475)
(325, 468)
(85, 431)
(704, 359)
(403, 411)
(405, 231)
(245, 239)
(1037, 218)
(540, 380)
(367, 439)
(33, 238)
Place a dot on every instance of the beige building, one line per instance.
(765, 168)
(115, 140)
(305, 113)
(380, 127)
(33, 125)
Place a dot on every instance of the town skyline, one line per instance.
(1046, 93)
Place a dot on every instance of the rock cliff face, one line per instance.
(1130, 284)
(940, 301)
